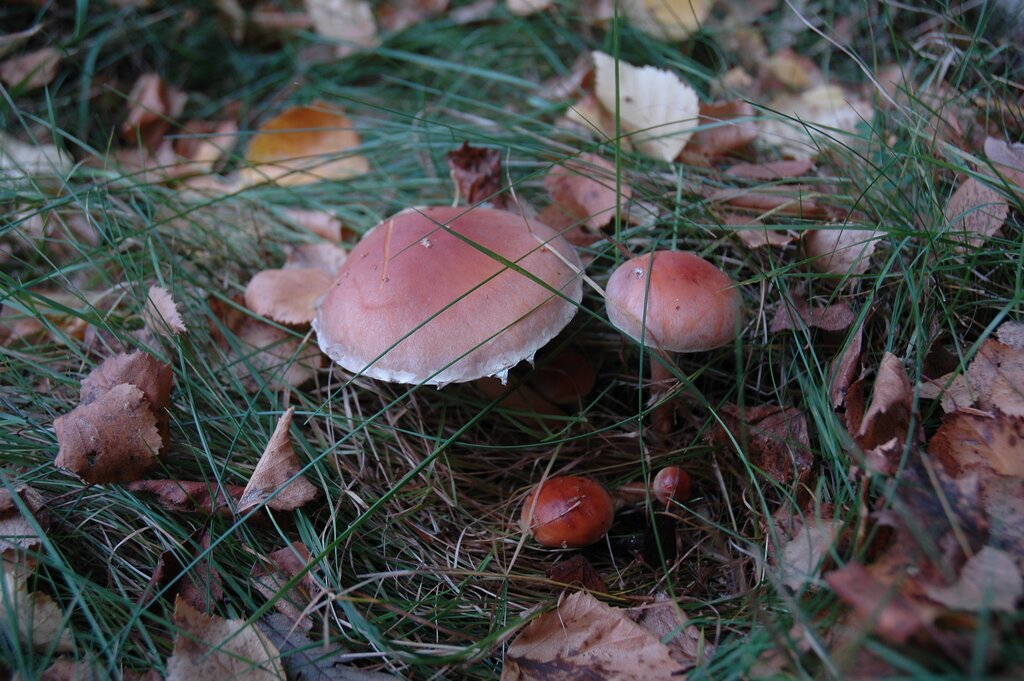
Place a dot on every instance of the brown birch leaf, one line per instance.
(274, 474)
(974, 213)
(288, 296)
(585, 188)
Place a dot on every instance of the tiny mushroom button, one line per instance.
(443, 295)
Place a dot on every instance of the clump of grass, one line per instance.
(415, 531)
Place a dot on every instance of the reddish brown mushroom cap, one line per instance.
(691, 305)
(426, 298)
(570, 512)
(671, 483)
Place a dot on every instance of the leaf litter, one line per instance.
(274, 480)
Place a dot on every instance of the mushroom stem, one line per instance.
(661, 417)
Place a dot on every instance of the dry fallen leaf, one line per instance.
(586, 639)
(725, 127)
(845, 369)
(324, 257)
(801, 556)
(350, 22)
(655, 106)
(38, 619)
(877, 605)
(667, 19)
(319, 222)
(666, 620)
(888, 415)
(589, 115)
(793, 70)
(267, 355)
(796, 200)
(968, 441)
(840, 251)
(834, 317)
(17, 532)
(186, 496)
(564, 378)
(585, 188)
(754, 233)
(1007, 159)
(161, 314)
(111, 439)
(524, 8)
(577, 571)
(19, 160)
(302, 145)
(209, 648)
(270, 576)
(10, 41)
(990, 580)
(994, 380)
(1003, 501)
(799, 125)
(152, 106)
(288, 296)
(31, 70)
(274, 474)
(476, 172)
(974, 213)
(774, 439)
(144, 371)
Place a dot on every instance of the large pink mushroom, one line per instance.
(442, 295)
(676, 302)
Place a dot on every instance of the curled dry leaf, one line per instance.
(843, 251)
(754, 233)
(324, 257)
(38, 620)
(725, 127)
(774, 439)
(31, 70)
(974, 213)
(350, 22)
(888, 416)
(111, 439)
(799, 125)
(187, 496)
(667, 19)
(304, 144)
(161, 314)
(201, 144)
(10, 41)
(476, 172)
(152, 106)
(209, 648)
(18, 532)
(274, 480)
(990, 580)
(969, 441)
(845, 369)
(666, 620)
(585, 188)
(793, 200)
(655, 106)
(150, 375)
(288, 296)
(1008, 160)
(585, 638)
(834, 317)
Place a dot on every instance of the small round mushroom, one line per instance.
(441, 295)
(671, 483)
(567, 511)
(676, 302)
